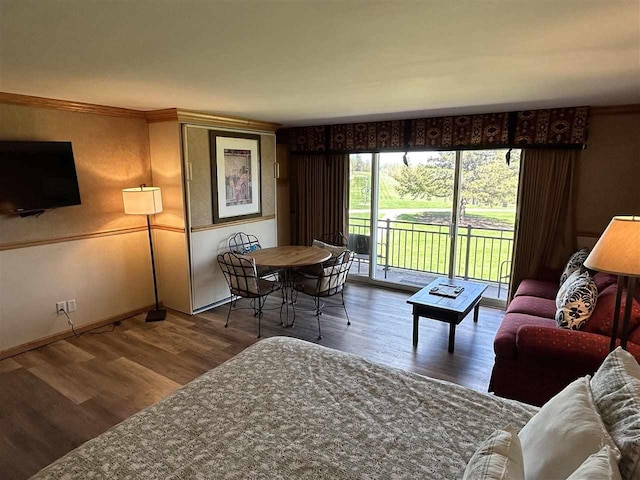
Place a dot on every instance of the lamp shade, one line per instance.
(618, 249)
(142, 200)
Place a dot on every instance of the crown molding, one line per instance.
(165, 115)
(214, 120)
(151, 116)
(616, 110)
(78, 107)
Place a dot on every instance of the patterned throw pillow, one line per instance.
(575, 263)
(499, 457)
(616, 390)
(576, 300)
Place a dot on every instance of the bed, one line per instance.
(284, 408)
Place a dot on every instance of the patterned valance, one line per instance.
(551, 128)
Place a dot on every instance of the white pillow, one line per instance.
(499, 457)
(335, 250)
(601, 466)
(616, 390)
(562, 435)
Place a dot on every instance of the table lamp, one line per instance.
(147, 201)
(618, 252)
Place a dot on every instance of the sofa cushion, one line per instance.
(634, 336)
(601, 320)
(574, 263)
(539, 307)
(604, 280)
(504, 343)
(537, 288)
(576, 300)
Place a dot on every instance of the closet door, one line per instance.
(208, 239)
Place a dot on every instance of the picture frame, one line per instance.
(235, 180)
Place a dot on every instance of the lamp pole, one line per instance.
(156, 314)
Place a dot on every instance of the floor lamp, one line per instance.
(618, 252)
(147, 201)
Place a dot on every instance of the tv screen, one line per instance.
(36, 176)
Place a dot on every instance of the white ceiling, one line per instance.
(305, 62)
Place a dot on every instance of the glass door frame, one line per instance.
(453, 231)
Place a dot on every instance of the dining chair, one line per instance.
(315, 271)
(243, 281)
(331, 282)
(244, 243)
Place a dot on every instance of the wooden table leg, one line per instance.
(452, 336)
(416, 317)
(476, 312)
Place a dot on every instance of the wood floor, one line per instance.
(54, 398)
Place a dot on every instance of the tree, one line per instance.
(494, 184)
(423, 181)
(486, 178)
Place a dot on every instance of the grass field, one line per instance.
(480, 252)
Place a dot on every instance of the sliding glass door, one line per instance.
(415, 206)
(438, 213)
(360, 195)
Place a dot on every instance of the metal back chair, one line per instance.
(360, 245)
(242, 277)
(335, 238)
(242, 243)
(329, 283)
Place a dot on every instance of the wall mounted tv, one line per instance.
(37, 176)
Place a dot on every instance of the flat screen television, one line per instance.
(37, 176)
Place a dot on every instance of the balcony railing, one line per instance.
(481, 253)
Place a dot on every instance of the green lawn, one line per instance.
(419, 239)
(426, 248)
(389, 199)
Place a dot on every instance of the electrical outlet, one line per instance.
(71, 305)
(61, 307)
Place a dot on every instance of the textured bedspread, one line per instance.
(285, 408)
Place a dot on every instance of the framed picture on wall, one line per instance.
(235, 168)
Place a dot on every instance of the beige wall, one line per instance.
(172, 260)
(106, 275)
(166, 171)
(111, 153)
(609, 172)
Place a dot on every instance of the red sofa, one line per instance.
(534, 358)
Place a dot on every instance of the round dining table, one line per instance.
(286, 258)
(290, 256)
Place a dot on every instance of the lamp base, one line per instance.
(156, 315)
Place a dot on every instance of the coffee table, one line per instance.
(445, 309)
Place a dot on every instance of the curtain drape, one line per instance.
(546, 232)
(319, 196)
